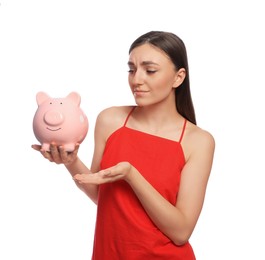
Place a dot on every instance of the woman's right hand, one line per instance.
(57, 154)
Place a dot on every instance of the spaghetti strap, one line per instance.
(183, 130)
(125, 122)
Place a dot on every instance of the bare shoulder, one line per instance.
(198, 140)
(198, 134)
(112, 118)
(114, 115)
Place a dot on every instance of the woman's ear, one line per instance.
(179, 78)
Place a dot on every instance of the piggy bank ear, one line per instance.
(41, 97)
(75, 98)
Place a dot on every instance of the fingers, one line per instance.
(79, 178)
(84, 178)
(68, 157)
(74, 153)
(92, 178)
(46, 155)
(36, 147)
(57, 154)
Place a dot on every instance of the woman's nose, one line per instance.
(138, 77)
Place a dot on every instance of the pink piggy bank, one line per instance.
(59, 120)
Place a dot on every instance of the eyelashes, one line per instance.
(131, 71)
(151, 71)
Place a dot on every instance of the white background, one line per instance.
(59, 46)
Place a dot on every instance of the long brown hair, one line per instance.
(175, 49)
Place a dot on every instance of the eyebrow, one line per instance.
(130, 63)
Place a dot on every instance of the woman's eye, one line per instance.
(130, 71)
(151, 71)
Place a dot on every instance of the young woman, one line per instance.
(151, 161)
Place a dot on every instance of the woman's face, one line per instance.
(152, 75)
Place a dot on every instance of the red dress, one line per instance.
(123, 229)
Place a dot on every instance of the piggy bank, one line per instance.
(59, 120)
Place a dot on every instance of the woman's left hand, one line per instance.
(120, 171)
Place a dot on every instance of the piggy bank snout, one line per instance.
(53, 117)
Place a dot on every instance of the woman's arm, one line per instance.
(105, 125)
(175, 221)
(178, 222)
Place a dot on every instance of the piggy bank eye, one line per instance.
(50, 103)
(61, 103)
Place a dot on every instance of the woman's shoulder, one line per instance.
(114, 114)
(116, 109)
(198, 138)
(199, 133)
(112, 118)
